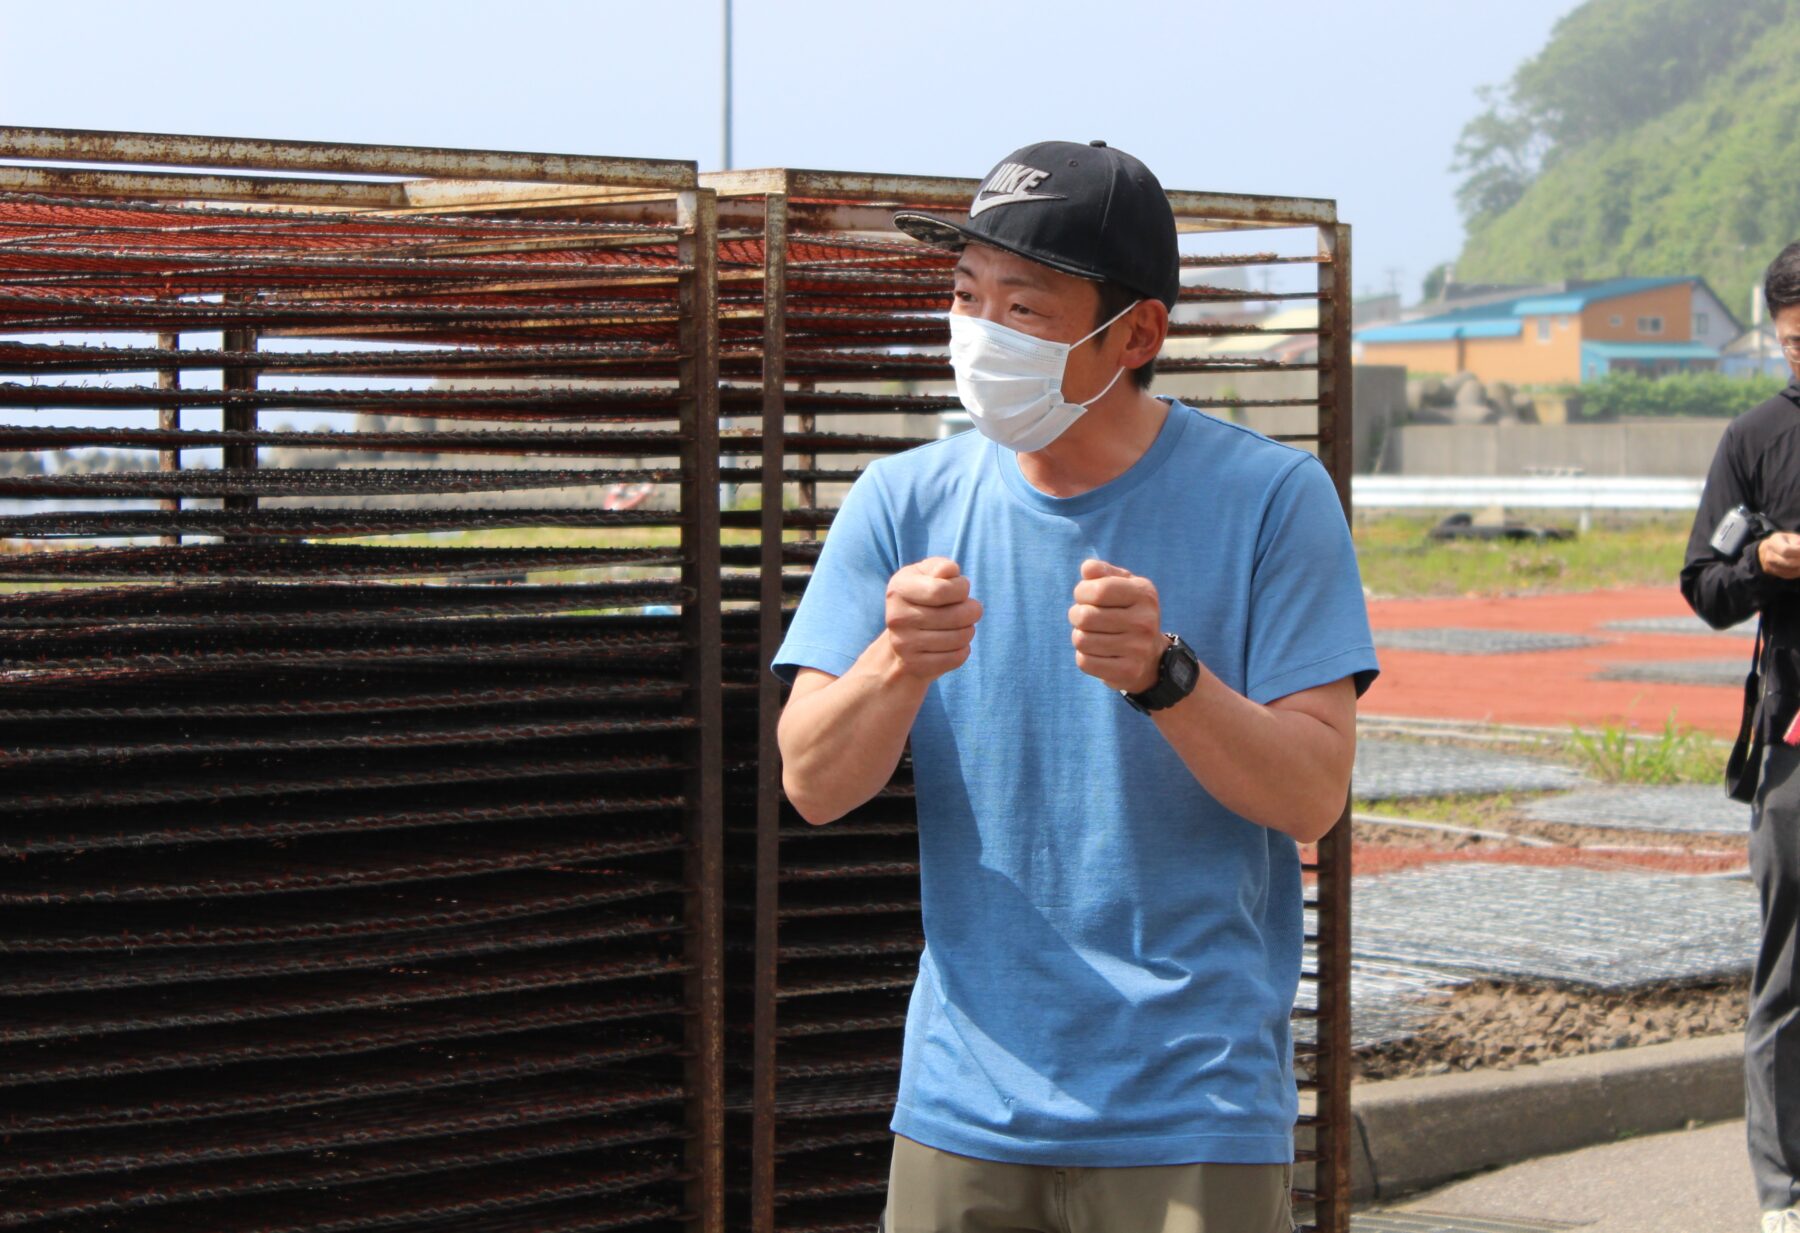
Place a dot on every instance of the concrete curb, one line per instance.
(1415, 1133)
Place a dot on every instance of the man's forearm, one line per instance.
(1280, 768)
(841, 742)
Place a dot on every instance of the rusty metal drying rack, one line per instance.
(812, 1088)
(792, 286)
(360, 885)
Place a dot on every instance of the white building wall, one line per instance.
(1713, 323)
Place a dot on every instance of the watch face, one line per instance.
(1181, 671)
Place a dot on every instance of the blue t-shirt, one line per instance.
(1111, 955)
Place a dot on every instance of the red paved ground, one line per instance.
(1551, 688)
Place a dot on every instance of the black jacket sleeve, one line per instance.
(1723, 591)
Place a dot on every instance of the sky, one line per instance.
(1357, 100)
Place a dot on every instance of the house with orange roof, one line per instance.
(1566, 333)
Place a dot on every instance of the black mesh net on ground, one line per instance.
(1697, 808)
(1600, 929)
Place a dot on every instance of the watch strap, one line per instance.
(1166, 692)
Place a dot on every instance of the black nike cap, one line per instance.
(1087, 210)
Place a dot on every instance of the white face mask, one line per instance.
(1011, 383)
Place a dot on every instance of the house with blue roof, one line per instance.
(1564, 333)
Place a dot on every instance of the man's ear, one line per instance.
(1149, 322)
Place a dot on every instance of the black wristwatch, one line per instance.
(1176, 677)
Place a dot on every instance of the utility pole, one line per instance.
(725, 143)
(1756, 324)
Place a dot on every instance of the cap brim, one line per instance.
(934, 231)
(941, 233)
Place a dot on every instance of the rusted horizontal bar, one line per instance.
(567, 362)
(95, 312)
(535, 1101)
(49, 264)
(1223, 260)
(185, 186)
(89, 524)
(862, 189)
(69, 145)
(106, 832)
(577, 404)
(491, 645)
(356, 993)
(192, 790)
(324, 482)
(1232, 295)
(482, 736)
(195, 563)
(818, 475)
(440, 1172)
(1178, 364)
(495, 1195)
(585, 442)
(28, 976)
(546, 1104)
(272, 1089)
(1219, 329)
(244, 606)
(336, 864)
(327, 1037)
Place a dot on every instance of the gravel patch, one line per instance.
(1689, 624)
(1501, 1026)
(1452, 640)
(1726, 672)
(1386, 770)
(1689, 808)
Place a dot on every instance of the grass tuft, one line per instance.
(1675, 755)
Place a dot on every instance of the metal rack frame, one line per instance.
(479, 187)
(798, 203)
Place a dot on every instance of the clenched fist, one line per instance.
(1779, 555)
(930, 617)
(1117, 627)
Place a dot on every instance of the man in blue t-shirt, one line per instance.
(1125, 640)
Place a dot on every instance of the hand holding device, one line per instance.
(1779, 554)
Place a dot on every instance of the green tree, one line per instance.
(1610, 66)
(1647, 137)
(1498, 155)
(1435, 278)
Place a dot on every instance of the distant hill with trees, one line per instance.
(1647, 137)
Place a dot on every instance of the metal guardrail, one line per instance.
(1579, 492)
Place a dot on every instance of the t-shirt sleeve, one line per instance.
(844, 608)
(1308, 625)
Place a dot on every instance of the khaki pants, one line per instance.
(930, 1191)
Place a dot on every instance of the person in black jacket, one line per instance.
(1758, 466)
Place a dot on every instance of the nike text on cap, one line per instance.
(1088, 210)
